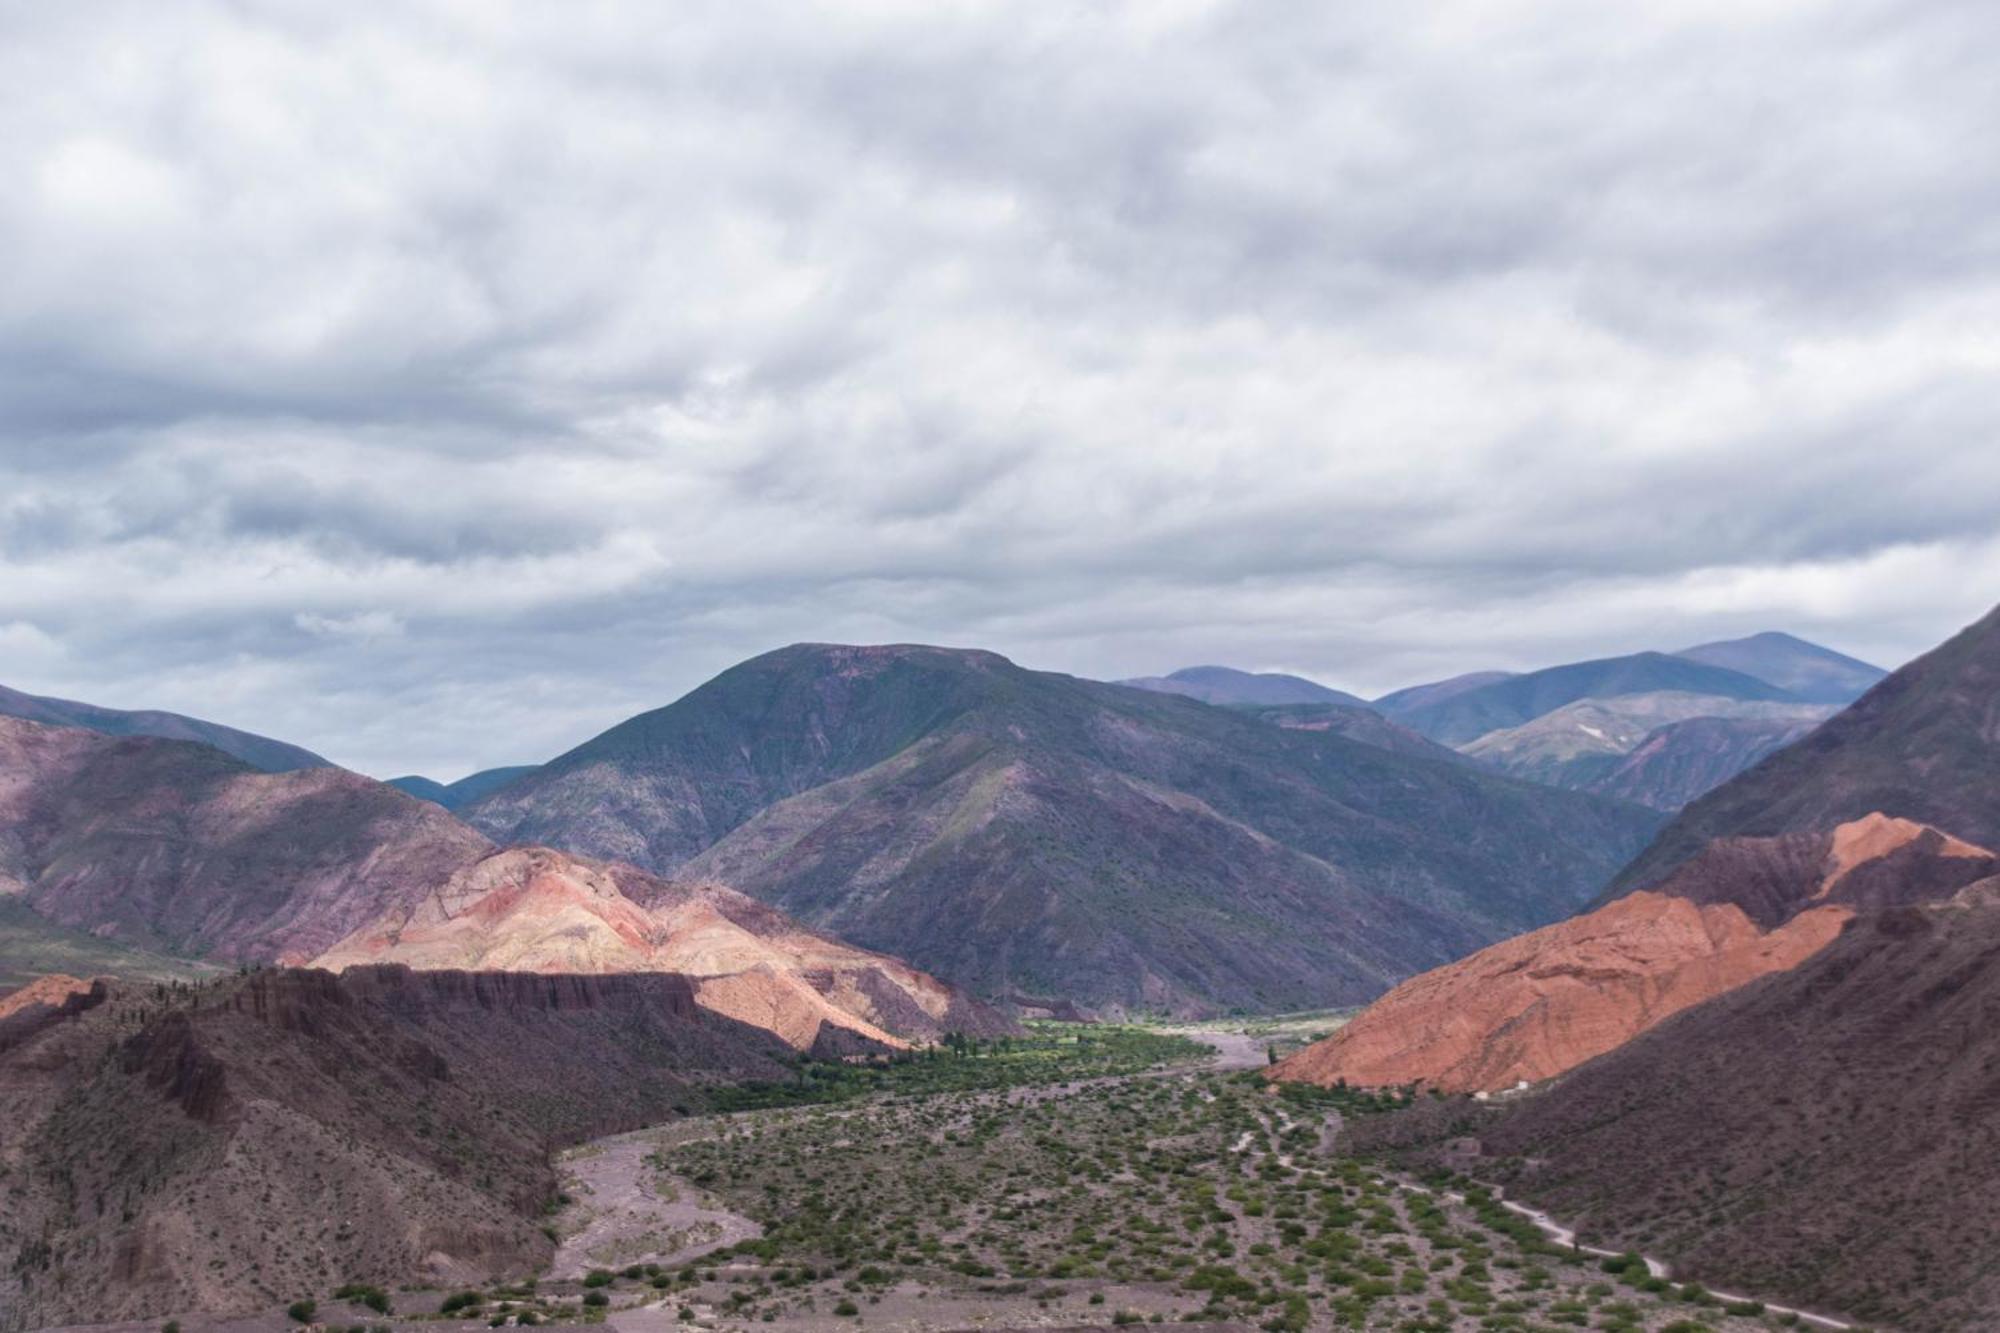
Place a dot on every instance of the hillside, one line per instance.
(1227, 685)
(1024, 831)
(1466, 715)
(1543, 1003)
(230, 1147)
(257, 751)
(1923, 744)
(170, 847)
(1857, 1172)
(1356, 723)
(1807, 670)
(1661, 748)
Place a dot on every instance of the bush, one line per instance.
(847, 1309)
(596, 1298)
(599, 1277)
(302, 1312)
(463, 1300)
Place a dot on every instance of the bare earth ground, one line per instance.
(626, 1211)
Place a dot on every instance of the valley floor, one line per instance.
(1169, 1189)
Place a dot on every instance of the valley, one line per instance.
(1071, 1177)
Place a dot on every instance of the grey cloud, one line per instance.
(434, 386)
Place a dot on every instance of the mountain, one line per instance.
(1540, 1004)
(230, 1146)
(256, 751)
(536, 910)
(1356, 723)
(1397, 702)
(1923, 744)
(1827, 1135)
(1806, 670)
(1471, 713)
(1662, 748)
(1676, 763)
(1226, 685)
(457, 795)
(172, 847)
(1025, 832)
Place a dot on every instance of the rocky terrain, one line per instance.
(1019, 831)
(228, 1146)
(535, 910)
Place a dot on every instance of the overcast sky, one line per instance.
(436, 390)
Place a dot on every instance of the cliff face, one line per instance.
(1542, 1003)
(227, 1145)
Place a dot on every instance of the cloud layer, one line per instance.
(435, 388)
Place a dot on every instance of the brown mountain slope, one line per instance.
(175, 845)
(293, 1130)
(1540, 1004)
(1828, 1135)
(1923, 744)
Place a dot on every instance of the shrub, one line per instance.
(599, 1277)
(596, 1298)
(463, 1300)
(847, 1309)
(302, 1312)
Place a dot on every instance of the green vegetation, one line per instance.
(1049, 1052)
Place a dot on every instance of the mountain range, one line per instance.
(176, 848)
(1023, 831)
(1652, 727)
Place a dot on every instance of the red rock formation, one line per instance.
(1537, 1005)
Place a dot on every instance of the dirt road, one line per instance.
(627, 1212)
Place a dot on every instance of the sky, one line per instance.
(434, 385)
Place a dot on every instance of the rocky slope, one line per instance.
(257, 751)
(1827, 1134)
(536, 910)
(1226, 685)
(171, 845)
(1923, 744)
(230, 1146)
(1543, 1003)
(1019, 831)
